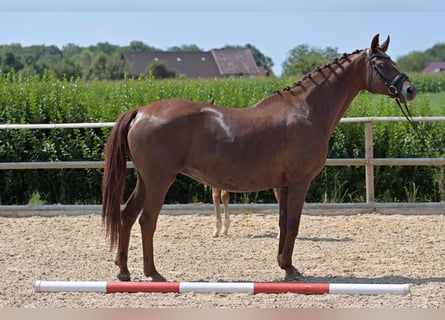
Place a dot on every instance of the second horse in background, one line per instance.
(222, 196)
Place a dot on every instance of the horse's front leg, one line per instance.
(216, 197)
(225, 197)
(291, 205)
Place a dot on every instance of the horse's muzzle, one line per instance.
(408, 93)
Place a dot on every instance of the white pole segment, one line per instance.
(71, 286)
(220, 287)
(369, 289)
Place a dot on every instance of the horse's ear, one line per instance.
(384, 45)
(374, 43)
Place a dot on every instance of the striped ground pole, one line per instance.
(222, 287)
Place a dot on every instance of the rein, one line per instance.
(420, 133)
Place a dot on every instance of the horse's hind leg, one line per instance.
(156, 189)
(216, 197)
(225, 201)
(129, 213)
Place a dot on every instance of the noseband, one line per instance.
(395, 86)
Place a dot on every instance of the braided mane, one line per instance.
(319, 69)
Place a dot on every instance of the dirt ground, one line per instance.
(367, 248)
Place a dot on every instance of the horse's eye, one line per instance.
(381, 64)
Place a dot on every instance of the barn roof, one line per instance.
(235, 62)
(196, 64)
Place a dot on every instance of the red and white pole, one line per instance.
(221, 287)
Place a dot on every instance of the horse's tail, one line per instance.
(113, 181)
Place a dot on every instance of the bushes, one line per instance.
(48, 100)
(429, 82)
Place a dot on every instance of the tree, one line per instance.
(84, 59)
(54, 52)
(98, 68)
(437, 51)
(139, 46)
(115, 68)
(304, 58)
(415, 61)
(11, 62)
(70, 50)
(104, 47)
(41, 57)
(67, 68)
(261, 60)
(185, 47)
(159, 70)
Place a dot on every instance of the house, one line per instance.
(218, 63)
(435, 67)
(265, 72)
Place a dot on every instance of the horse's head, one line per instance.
(383, 75)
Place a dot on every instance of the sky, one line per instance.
(274, 27)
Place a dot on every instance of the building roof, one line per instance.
(196, 64)
(435, 67)
(193, 64)
(235, 62)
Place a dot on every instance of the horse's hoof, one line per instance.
(293, 275)
(158, 278)
(124, 276)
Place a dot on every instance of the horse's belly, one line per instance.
(196, 175)
(238, 183)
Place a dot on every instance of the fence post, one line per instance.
(369, 168)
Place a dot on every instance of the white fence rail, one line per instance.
(369, 162)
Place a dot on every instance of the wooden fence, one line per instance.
(369, 162)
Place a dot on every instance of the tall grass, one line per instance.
(48, 100)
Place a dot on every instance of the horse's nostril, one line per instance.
(411, 90)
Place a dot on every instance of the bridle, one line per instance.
(394, 90)
(395, 86)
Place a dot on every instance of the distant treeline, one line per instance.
(104, 60)
(96, 62)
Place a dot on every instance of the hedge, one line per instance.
(48, 100)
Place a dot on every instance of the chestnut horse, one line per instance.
(281, 142)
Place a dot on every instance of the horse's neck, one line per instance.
(331, 89)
